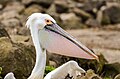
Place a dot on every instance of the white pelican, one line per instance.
(47, 35)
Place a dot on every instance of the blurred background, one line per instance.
(96, 23)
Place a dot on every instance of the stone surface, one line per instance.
(44, 3)
(90, 75)
(82, 13)
(92, 23)
(12, 14)
(32, 9)
(3, 32)
(12, 23)
(61, 6)
(17, 58)
(15, 6)
(70, 20)
(113, 13)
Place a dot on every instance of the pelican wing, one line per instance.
(56, 40)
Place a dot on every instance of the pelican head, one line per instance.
(54, 39)
(39, 20)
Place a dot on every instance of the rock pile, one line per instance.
(70, 14)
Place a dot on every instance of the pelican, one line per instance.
(48, 36)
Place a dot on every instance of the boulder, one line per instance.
(61, 6)
(12, 23)
(51, 10)
(92, 23)
(17, 58)
(15, 6)
(32, 9)
(113, 13)
(4, 2)
(82, 13)
(1, 6)
(44, 3)
(71, 21)
(13, 14)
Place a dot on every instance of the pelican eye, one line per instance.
(48, 22)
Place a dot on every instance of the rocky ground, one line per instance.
(95, 23)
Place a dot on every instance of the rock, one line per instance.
(32, 9)
(52, 10)
(115, 27)
(1, 6)
(112, 3)
(61, 6)
(99, 16)
(17, 58)
(4, 2)
(90, 5)
(90, 75)
(3, 32)
(70, 20)
(53, 64)
(23, 31)
(27, 2)
(15, 6)
(82, 13)
(44, 3)
(105, 19)
(12, 23)
(21, 39)
(92, 23)
(113, 13)
(13, 14)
